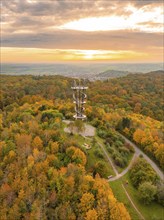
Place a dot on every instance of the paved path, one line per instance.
(121, 174)
(124, 171)
(136, 154)
(139, 152)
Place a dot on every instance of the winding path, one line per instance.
(119, 175)
(90, 131)
(139, 152)
(136, 154)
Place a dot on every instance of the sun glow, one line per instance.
(89, 54)
(93, 54)
(51, 55)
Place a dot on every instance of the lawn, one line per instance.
(153, 211)
(122, 197)
(92, 159)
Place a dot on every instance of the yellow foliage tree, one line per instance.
(138, 135)
(76, 155)
(30, 161)
(23, 142)
(37, 143)
(91, 215)
(86, 202)
(118, 210)
(54, 147)
(159, 153)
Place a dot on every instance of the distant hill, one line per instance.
(91, 71)
(141, 93)
(109, 74)
(156, 72)
(113, 73)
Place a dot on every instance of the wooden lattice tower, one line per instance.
(79, 98)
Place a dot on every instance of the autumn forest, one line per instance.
(47, 173)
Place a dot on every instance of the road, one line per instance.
(118, 175)
(139, 152)
(136, 154)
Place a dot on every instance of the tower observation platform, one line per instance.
(79, 98)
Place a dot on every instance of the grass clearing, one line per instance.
(92, 159)
(153, 211)
(122, 197)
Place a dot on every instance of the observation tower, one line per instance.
(79, 98)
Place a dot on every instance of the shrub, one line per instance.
(147, 192)
(129, 147)
(119, 161)
(98, 153)
(101, 133)
(101, 168)
(141, 171)
(109, 148)
(160, 193)
(124, 151)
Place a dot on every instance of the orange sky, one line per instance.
(46, 31)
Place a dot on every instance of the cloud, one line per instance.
(37, 24)
(140, 3)
(66, 39)
(42, 16)
(54, 13)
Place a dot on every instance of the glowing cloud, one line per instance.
(55, 30)
(135, 21)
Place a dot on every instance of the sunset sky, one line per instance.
(82, 30)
